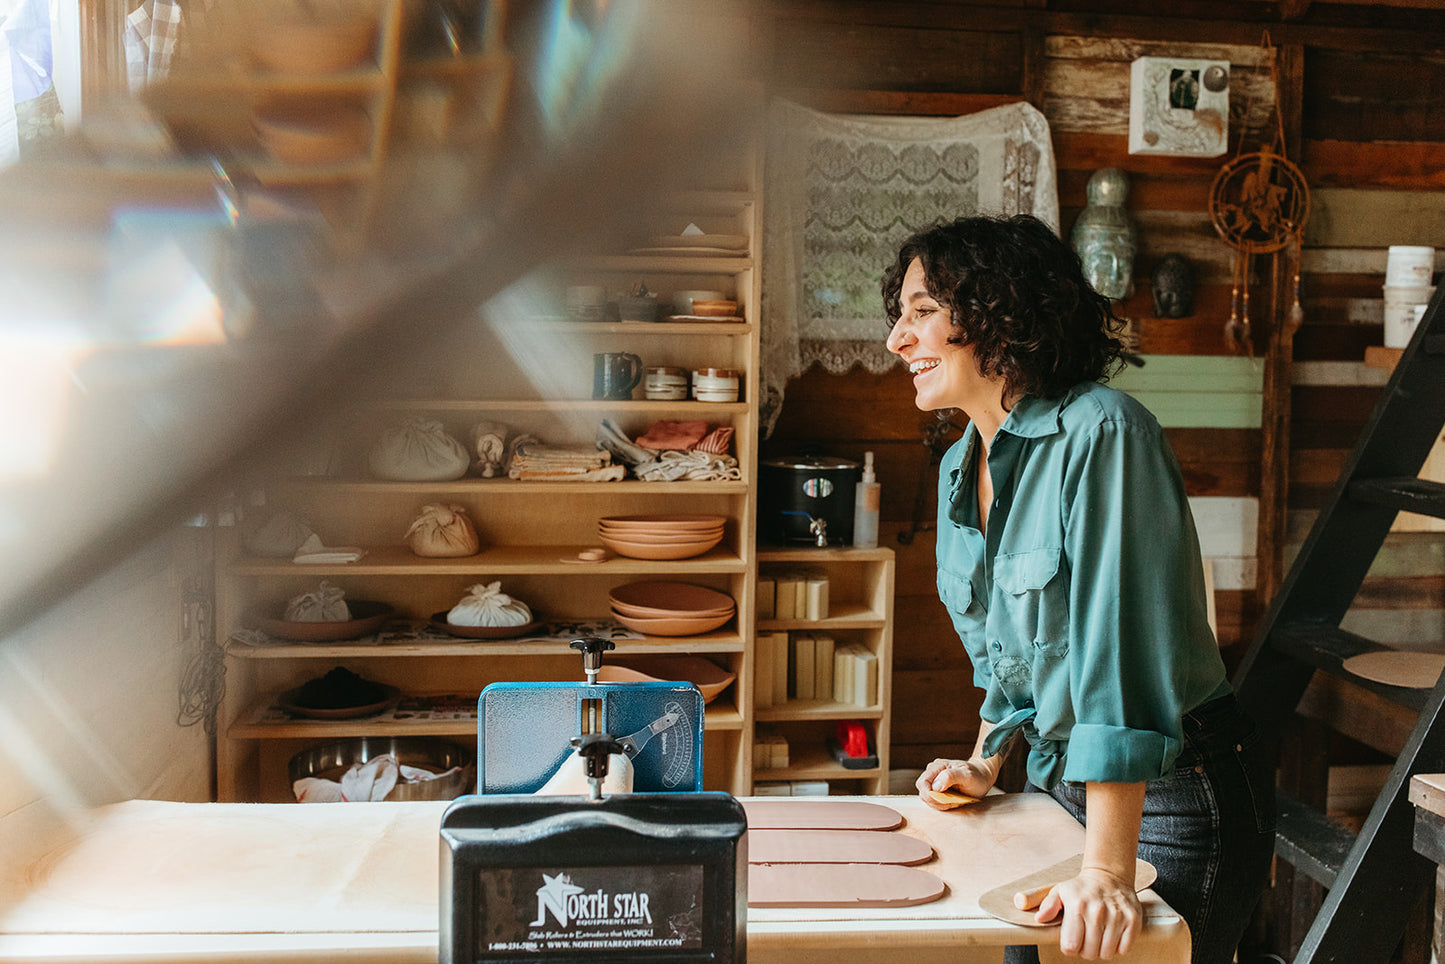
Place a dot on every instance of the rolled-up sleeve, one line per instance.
(1132, 598)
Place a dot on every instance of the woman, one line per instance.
(1068, 560)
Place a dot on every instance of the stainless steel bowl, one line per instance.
(330, 761)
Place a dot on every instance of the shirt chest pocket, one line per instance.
(1033, 599)
(956, 594)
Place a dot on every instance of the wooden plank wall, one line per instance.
(909, 59)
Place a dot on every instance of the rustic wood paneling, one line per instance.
(1393, 164)
(876, 57)
(1373, 96)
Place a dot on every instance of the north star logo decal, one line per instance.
(572, 904)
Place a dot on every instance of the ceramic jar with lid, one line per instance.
(716, 384)
(664, 383)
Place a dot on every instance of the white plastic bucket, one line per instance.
(1409, 265)
(1400, 321)
(1408, 295)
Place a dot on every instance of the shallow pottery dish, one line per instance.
(439, 621)
(672, 626)
(675, 597)
(642, 550)
(709, 678)
(649, 537)
(652, 612)
(663, 523)
(292, 701)
(367, 617)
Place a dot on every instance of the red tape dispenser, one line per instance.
(852, 746)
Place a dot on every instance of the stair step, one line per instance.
(1403, 494)
(1327, 647)
(1309, 840)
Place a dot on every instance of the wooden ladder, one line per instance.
(1374, 878)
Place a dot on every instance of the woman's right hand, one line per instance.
(972, 777)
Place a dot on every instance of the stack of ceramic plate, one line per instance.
(661, 536)
(670, 608)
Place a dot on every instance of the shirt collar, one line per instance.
(1034, 417)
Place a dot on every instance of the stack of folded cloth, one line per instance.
(570, 463)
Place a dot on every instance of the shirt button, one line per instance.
(996, 646)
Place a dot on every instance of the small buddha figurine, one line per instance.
(1104, 238)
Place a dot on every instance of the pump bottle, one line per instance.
(865, 507)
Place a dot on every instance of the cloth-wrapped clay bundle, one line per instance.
(275, 534)
(418, 450)
(324, 604)
(489, 445)
(443, 531)
(487, 605)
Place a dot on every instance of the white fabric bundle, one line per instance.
(489, 606)
(325, 604)
(418, 450)
(443, 531)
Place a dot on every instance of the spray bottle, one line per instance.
(865, 507)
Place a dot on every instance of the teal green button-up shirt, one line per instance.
(1082, 607)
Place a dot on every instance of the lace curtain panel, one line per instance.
(841, 193)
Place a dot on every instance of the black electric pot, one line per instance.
(806, 500)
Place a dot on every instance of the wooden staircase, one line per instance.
(1374, 879)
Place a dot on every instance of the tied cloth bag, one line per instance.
(443, 531)
(418, 450)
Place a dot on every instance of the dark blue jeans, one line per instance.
(1208, 828)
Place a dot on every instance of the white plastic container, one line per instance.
(1401, 316)
(1409, 265)
(866, 499)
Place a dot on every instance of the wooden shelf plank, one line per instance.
(801, 710)
(722, 641)
(499, 560)
(495, 487)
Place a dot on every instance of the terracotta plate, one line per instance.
(366, 618)
(635, 550)
(650, 612)
(676, 523)
(676, 597)
(674, 626)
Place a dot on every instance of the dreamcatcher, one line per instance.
(1259, 204)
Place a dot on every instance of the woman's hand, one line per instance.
(1101, 914)
(972, 778)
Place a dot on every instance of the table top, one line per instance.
(360, 881)
(1427, 791)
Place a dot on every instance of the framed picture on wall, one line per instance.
(1178, 106)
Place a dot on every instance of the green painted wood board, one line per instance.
(1198, 391)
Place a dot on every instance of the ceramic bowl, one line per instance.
(367, 617)
(649, 537)
(313, 133)
(709, 678)
(329, 761)
(652, 612)
(714, 308)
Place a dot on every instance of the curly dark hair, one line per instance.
(1018, 297)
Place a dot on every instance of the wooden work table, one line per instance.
(156, 881)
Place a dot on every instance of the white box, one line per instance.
(1178, 106)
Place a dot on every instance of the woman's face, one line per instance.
(944, 375)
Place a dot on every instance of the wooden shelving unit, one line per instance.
(535, 375)
(860, 610)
